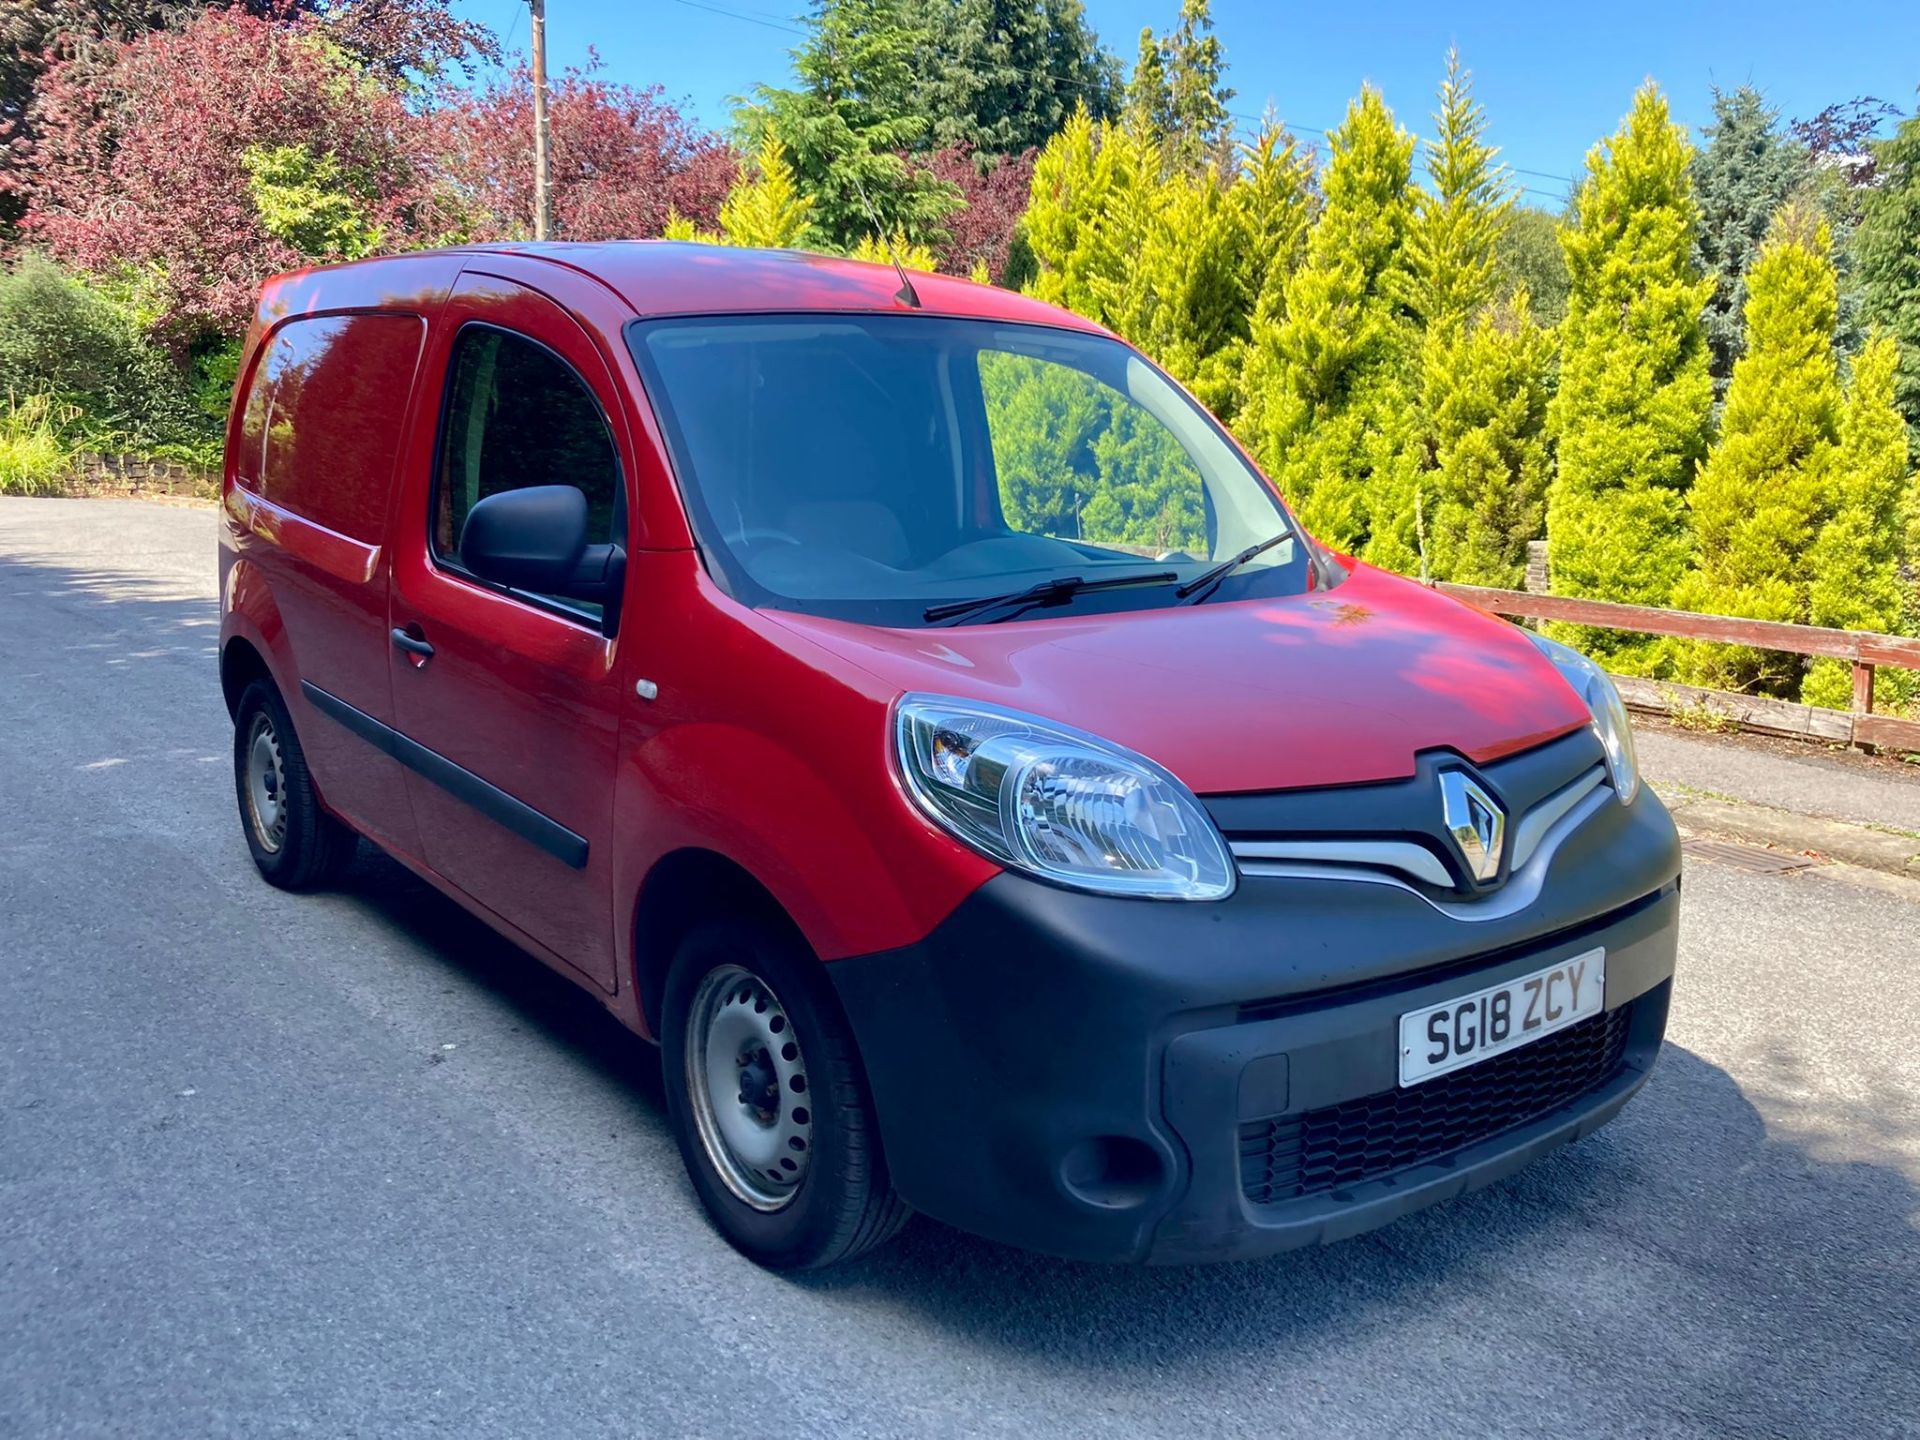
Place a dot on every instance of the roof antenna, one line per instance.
(906, 294)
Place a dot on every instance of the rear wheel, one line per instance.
(295, 843)
(769, 1102)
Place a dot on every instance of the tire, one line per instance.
(747, 1012)
(295, 844)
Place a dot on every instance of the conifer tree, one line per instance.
(1483, 388)
(1096, 210)
(1065, 225)
(1841, 174)
(896, 247)
(858, 108)
(1529, 258)
(1195, 262)
(1631, 412)
(1002, 76)
(1126, 292)
(1484, 395)
(1278, 201)
(1452, 245)
(1149, 102)
(1175, 263)
(1759, 498)
(1886, 249)
(764, 209)
(1196, 98)
(1268, 214)
(1327, 389)
(768, 209)
(1854, 566)
(1748, 170)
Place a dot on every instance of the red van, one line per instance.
(905, 705)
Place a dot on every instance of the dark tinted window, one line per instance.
(518, 415)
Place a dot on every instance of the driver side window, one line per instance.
(519, 415)
(1079, 461)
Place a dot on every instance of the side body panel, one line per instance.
(317, 427)
(523, 700)
(772, 752)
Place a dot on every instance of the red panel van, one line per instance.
(904, 705)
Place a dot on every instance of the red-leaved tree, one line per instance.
(404, 41)
(146, 161)
(996, 198)
(623, 159)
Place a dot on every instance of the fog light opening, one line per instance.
(1115, 1172)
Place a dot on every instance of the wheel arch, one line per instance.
(683, 889)
(241, 663)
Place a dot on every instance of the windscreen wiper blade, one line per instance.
(1213, 575)
(1046, 592)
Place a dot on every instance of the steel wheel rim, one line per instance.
(747, 1079)
(266, 785)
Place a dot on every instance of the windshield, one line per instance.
(878, 467)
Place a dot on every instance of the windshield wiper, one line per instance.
(1214, 574)
(1046, 592)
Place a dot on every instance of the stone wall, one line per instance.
(95, 474)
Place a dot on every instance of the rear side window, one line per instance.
(518, 415)
(321, 427)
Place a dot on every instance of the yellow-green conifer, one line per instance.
(1453, 243)
(1854, 578)
(1328, 383)
(1484, 391)
(1631, 412)
(1759, 499)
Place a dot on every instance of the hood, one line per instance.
(1335, 687)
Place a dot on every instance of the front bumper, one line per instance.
(1112, 1079)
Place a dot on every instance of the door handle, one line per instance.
(412, 645)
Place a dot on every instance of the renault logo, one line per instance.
(1475, 821)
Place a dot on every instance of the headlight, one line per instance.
(1592, 684)
(1058, 803)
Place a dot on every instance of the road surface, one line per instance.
(347, 1165)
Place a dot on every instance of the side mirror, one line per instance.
(535, 539)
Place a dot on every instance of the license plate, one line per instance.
(1476, 1027)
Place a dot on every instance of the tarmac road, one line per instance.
(347, 1165)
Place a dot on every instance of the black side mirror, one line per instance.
(535, 539)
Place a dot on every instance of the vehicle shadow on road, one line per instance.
(1698, 1261)
(552, 1006)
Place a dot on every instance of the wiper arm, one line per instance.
(1058, 588)
(1214, 574)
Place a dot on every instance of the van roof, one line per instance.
(673, 277)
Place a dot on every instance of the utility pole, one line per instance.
(542, 141)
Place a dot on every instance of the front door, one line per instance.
(509, 699)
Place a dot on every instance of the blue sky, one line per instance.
(1554, 77)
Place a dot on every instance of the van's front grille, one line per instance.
(1359, 1140)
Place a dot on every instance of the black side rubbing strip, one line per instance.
(465, 786)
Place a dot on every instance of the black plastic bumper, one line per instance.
(1079, 1074)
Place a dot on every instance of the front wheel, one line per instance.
(769, 1102)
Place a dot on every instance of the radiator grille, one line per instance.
(1359, 1140)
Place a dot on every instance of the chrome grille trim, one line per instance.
(1535, 824)
(1401, 855)
(1564, 811)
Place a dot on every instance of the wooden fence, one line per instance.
(1861, 649)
